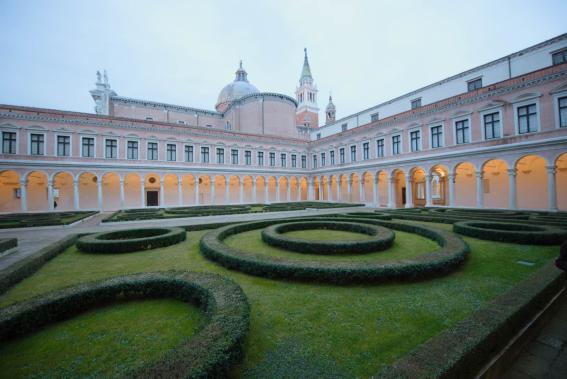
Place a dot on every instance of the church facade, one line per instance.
(492, 137)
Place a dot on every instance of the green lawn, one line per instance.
(313, 330)
(327, 235)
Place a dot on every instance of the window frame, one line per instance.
(148, 142)
(56, 145)
(234, 158)
(435, 125)
(44, 149)
(473, 81)
(383, 146)
(260, 155)
(94, 146)
(186, 153)
(293, 160)
(419, 146)
(117, 147)
(468, 136)
(486, 112)
(323, 159)
(16, 147)
(365, 150)
(342, 158)
(248, 157)
(283, 159)
(401, 147)
(126, 142)
(219, 153)
(522, 103)
(204, 151)
(563, 52)
(353, 152)
(557, 116)
(332, 157)
(272, 159)
(303, 161)
(415, 103)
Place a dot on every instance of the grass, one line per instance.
(320, 330)
(327, 235)
(103, 342)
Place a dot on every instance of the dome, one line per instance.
(239, 88)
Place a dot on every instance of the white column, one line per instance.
(180, 191)
(24, 195)
(391, 192)
(266, 192)
(479, 190)
(310, 192)
(227, 190)
(428, 201)
(349, 189)
(512, 200)
(197, 190)
(321, 189)
(409, 192)
(375, 194)
(99, 185)
(241, 182)
(50, 194)
(213, 191)
(329, 189)
(298, 194)
(361, 194)
(76, 194)
(339, 197)
(288, 190)
(551, 189)
(254, 197)
(278, 190)
(161, 193)
(121, 192)
(451, 181)
(142, 193)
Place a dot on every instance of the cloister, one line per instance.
(525, 182)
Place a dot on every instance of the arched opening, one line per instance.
(334, 189)
(531, 183)
(10, 192)
(382, 198)
(293, 188)
(418, 187)
(495, 184)
(188, 189)
(316, 189)
(261, 190)
(272, 189)
(355, 188)
(439, 185)
(88, 191)
(283, 188)
(368, 185)
(399, 188)
(304, 188)
(465, 185)
(132, 190)
(247, 180)
(204, 190)
(63, 192)
(343, 186)
(110, 192)
(37, 191)
(170, 198)
(561, 181)
(220, 190)
(152, 196)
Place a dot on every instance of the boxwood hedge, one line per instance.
(511, 232)
(125, 241)
(452, 252)
(7, 243)
(210, 353)
(381, 238)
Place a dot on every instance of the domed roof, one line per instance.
(239, 88)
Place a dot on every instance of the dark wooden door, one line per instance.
(152, 198)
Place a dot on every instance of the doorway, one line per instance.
(152, 198)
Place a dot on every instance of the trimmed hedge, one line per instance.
(452, 253)
(382, 238)
(374, 215)
(511, 232)
(126, 241)
(7, 243)
(26, 220)
(211, 352)
(463, 349)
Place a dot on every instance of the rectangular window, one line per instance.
(152, 151)
(527, 119)
(323, 160)
(416, 103)
(562, 102)
(283, 159)
(272, 159)
(366, 150)
(132, 150)
(303, 161)
(474, 84)
(342, 155)
(374, 117)
(559, 57)
(492, 125)
(8, 143)
(332, 157)
(204, 154)
(247, 157)
(260, 158)
(314, 161)
(380, 148)
(63, 146)
(293, 160)
(462, 131)
(344, 127)
(415, 139)
(37, 144)
(396, 145)
(111, 148)
(353, 153)
(436, 136)
(189, 153)
(234, 156)
(88, 150)
(220, 155)
(318, 135)
(171, 152)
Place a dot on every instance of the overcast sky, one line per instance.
(184, 52)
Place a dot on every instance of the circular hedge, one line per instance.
(382, 238)
(373, 215)
(511, 232)
(125, 241)
(217, 345)
(452, 252)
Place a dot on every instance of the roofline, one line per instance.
(165, 105)
(464, 73)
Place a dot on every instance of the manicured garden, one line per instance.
(26, 220)
(305, 313)
(215, 210)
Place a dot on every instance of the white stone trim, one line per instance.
(432, 125)
(37, 131)
(555, 98)
(10, 129)
(523, 102)
(487, 111)
(454, 121)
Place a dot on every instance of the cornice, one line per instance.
(155, 104)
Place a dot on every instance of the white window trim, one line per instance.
(117, 147)
(251, 156)
(44, 142)
(263, 158)
(335, 158)
(188, 144)
(201, 154)
(524, 102)
(355, 153)
(10, 129)
(474, 79)
(497, 109)
(401, 144)
(339, 155)
(462, 118)
(238, 156)
(443, 133)
(94, 146)
(556, 97)
(176, 150)
(384, 149)
(362, 150)
(416, 129)
(55, 147)
(148, 141)
(126, 148)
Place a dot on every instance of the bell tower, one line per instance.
(306, 95)
(330, 111)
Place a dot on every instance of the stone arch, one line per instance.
(283, 182)
(304, 188)
(170, 193)
(188, 189)
(272, 189)
(465, 184)
(439, 185)
(220, 185)
(397, 189)
(343, 188)
(10, 192)
(261, 192)
(382, 186)
(205, 190)
(152, 190)
(247, 196)
(495, 184)
(561, 181)
(334, 188)
(368, 187)
(88, 190)
(110, 191)
(36, 182)
(133, 190)
(293, 188)
(418, 188)
(531, 182)
(63, 191)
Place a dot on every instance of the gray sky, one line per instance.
(184, 52)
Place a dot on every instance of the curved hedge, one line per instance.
(452, 252)
(373, 215)
(511, 232)
(216, 346)
(382, 238)
(125, 241)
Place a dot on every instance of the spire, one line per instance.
(330, 111)
(306, 71)
(241, 74)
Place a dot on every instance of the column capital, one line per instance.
(50, 182)
(479, 174)
(23, 182)
(392, 179)
(76, 182)
(512, 172)
(428, 177)
(451, 176)
(551, 169)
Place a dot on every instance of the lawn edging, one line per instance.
(130, 240)
(7, 244)
(511, 232)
